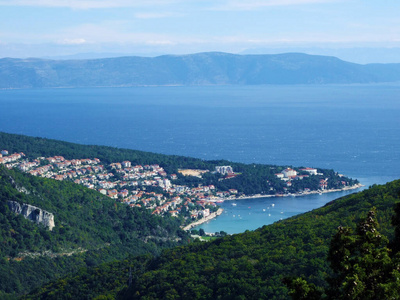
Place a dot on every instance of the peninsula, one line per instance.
(185, 188)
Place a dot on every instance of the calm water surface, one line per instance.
(353, 129)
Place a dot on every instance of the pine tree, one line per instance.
(362, 264)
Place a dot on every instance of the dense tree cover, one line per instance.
(254, 178)
(88, 283)
(89, 225)
(363, 266)
(251, 265)
(96, 229)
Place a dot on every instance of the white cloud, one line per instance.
(111, 32)
(85, 4)
(308, 39)
(159, 42)
(217, 5)
(120, 32)
(256, 4)
(78, 41)
(155, 15)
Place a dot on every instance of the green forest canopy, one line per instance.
(92, 226)
(251, 265)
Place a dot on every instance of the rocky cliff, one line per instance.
(33, 213)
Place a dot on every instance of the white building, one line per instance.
(167, 184)
(206, 212)
(126, 164)
(289, 172)
(312, 171)
(224, 169)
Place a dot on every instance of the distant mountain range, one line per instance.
(212, 68)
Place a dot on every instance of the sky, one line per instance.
(366, 30)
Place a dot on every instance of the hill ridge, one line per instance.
(249, 265)
(206, 68)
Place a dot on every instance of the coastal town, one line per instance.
(146, 186)
(150, 186)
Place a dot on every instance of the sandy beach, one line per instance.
(203, 220)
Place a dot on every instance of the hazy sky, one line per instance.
(148, 27)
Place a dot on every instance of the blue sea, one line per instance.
(353, 129)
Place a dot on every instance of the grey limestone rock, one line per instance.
(33, 213)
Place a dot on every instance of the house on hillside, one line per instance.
(224, 170)
(288, 172)
(312, 171)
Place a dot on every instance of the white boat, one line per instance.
(234, 204)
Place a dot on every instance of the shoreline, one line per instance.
(220, 210)
(203, 220)
(353, 187)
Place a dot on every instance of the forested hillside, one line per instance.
(253, 179)
(90, 229)
(251, 265)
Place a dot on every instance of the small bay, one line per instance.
(250, 214)
(353, 129)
